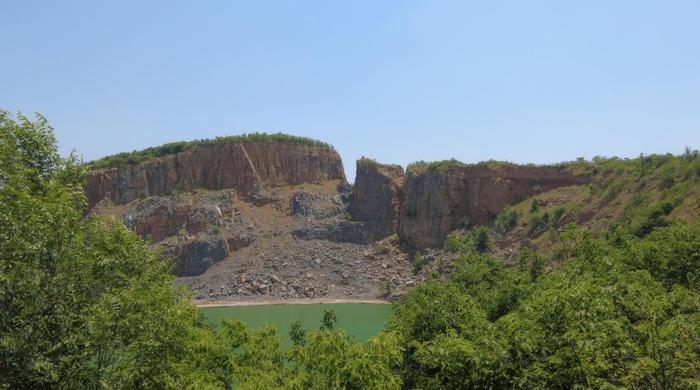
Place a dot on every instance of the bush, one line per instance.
(455, 241)
(667, 178)
(418, 263)
(623, 313)
(480, 239)
(534, 223)
(651, 218)
(442, 165)
(476, 239)
(532, 263)
(558, 214)
(506, 220)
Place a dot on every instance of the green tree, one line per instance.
(329, 319)
(297, 333)
(85, 303)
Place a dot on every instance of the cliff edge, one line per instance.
(242, 166)
(440, 200)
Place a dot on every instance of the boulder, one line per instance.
(195, 257)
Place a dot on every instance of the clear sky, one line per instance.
(525, 81)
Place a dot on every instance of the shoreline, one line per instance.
(299, 301)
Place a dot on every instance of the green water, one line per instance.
(361, 321)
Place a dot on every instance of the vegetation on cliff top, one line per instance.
(126, 158)
(444, 165)
(637, 194)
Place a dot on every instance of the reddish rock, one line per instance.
(377, 197)
(156, 218)
(438, 200)
(240, 165)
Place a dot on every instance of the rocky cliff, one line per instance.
(256, 218)
(439, 200)
(373, 210)
(189, 203)
(377, 197)
(242, 166)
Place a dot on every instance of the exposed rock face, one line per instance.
(243, 166)
(158, 198)
(307, 205)
(437, 201)
(197, 256)
(377, 197)
(252, 201)
(196, 231)
(374, 207)
(157, 218)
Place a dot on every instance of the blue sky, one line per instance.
(524, 81)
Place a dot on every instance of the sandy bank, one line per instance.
(307, 301)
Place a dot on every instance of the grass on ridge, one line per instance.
(126, 158)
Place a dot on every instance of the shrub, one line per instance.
(476, 239)
(480, 238)
(534, 223)
(442, 165)
(667, 179)
(418, 263)
(329, 320)
(455, 241)
(558, 214)
(650, 219)
(506, 220)
(532, 263)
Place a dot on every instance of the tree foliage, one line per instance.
(86, 304)
(624, 312)
(84, 301)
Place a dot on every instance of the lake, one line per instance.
(360, 320)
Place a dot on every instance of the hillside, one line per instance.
(637, 195)
(261, 217)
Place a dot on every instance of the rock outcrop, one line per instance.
(215, 201)
(158, 198)
(377, 197)
(374, 207)
(195, 231)
(243, 166)
(157, 218)
(437, 201)
(195, 257)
